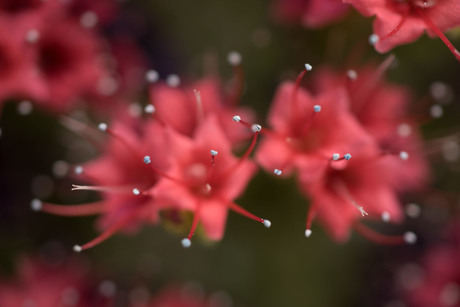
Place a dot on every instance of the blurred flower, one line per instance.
(311, 13)
(402, 22)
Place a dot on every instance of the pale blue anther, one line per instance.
(347, 156)
(147, 160)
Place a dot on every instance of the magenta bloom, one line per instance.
(205, 178)
(311, 13)
(402, 22)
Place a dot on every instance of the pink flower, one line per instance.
(205, 178)
(402, 22)
(382, 109)
(41, 284)
(121, 173)
(183, 108)
(311, 13)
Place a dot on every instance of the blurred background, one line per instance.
(250, 266)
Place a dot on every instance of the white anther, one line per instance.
(404, 130)
(32, 36)
(386, 216)
(347, 156)
(352, 74)
(186, 243)
(436, 111)
(308, 233)
(267, 223)
(317, 108)
(152, 76)
(413, 210)
(173, 80)
(88, 19)
(25, 107)
(236, 118)
(214, 152)
(308, 67)
(78, 169)
(450, 150)
(102, 127)
(256, 128)
(149, 109)
(403, 155)
(36, 205)
(136, 191)
(361, 209)
(410, 237)
(335, 156)
(147, 160)
(277, 172)
(77, 248)
(234, 58)
(135, 109)
(207, 187)
(373, 39)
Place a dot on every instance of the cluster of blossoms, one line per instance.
(52, 54)
(43, 282)
(397, 22)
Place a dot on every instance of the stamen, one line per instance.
(121, 190)
(438, 32)
(107, 233)
(317, 108)
(102, 127)
(187, 242)
(403, 155)
(436, 111)
(352, 74)
(149, 109)
(68, 210)
(147, 160)
(256, 128)
(296, 87)
(308, 233)
(236, 118)
(247, 214)
(214, 152)
(372, 235)
(152, 76)
(386, 216)
(342, 190)
(311, 214)
(308, 67)
(234, 58)
(277, 172)
(136, 191)
(398, 26)
(373, 39)
(173, 80)
(335, 156)
(199, 107)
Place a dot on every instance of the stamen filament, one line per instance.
(372, 235)
(121, 190)
(244, 212)
(343, 191)
(398, 26)
(438, 32)
(73, 210)
(199, 107)
(107, 233)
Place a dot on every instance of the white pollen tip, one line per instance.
(186, 243)
(152, 76)
(149, 109)
(267, 223)
(410, 237)
(347, 156)
(78, 170)
(32, 36)
(386, 216)
(436, 111)
(277, 172)
(214, 152)
(173, 80)
(36, 205)
(308, 67)
(77, 248)
(234, 58)
(102, 127)
(147, 160)
(236, 118)
(308, 233)
(335, 156)
(89, 19)
(374, 39)
(256, 128)
(136, 191)
(403, 155)
(352, 74)
(317, 108)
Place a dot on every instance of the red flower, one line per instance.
(402, 22)
(121, 174)
(311, 13)
(205, 178)
(43, 284)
